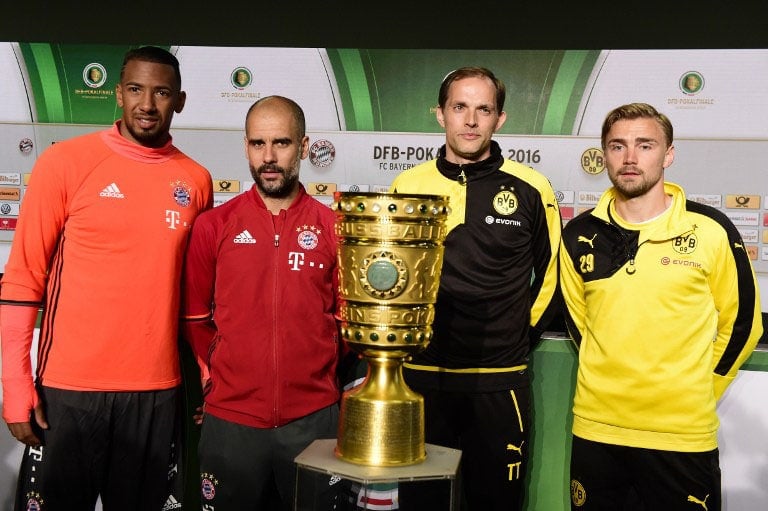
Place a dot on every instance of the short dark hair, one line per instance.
(467, 72)
(298, 113)
(152, 54)
(636, 111)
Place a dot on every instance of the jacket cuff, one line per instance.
(19, 399)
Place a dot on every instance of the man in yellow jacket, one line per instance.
(663, 304)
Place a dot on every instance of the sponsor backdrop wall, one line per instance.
(370, 115)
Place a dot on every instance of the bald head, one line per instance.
(275, 144)
(279, 104)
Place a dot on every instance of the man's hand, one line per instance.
(197, 417)
(22, 431)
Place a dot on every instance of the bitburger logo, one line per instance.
(322, 153)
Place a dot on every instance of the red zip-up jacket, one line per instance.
(259, 302)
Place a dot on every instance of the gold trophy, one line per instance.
(390, 253)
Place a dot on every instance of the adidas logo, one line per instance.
(171, 503)
(245, 237)
(112, 191)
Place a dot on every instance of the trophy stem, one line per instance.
(382, 420)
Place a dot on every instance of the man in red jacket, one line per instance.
(260, 293)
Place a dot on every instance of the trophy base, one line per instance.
(381, 422)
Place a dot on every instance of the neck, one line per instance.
(275, 204)
(642, 209)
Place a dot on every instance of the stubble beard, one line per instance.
(277, 189)
(468, 153)
(148, 138)
(634, 189)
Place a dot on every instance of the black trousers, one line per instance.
(607, 477)
(241, 465)
(492, 431)
(121, 446)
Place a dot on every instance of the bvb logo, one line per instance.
(685, 244)
(578, 493)
(505, 202)
(593, 161)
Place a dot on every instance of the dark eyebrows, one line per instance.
(639, 140)
(281, 140)
(168, 88)
(463, 104)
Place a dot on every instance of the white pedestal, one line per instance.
(326, 482)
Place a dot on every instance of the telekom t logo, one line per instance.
(172, 218)
(295, 259)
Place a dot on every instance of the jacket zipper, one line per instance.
(277, 223)
(462, 179)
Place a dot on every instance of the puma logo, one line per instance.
(702, 503)
(519, 450)
(738, 245)
(587, 240)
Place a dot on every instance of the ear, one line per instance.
(439, 115)
(180, 102)
(501, 121)
(119, 95)
(304, 147)
(669, 157)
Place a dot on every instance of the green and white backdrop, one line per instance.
(370, 115)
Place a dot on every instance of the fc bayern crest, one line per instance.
(181, 194)
(208, 488)
(322, 153)
(308, 237)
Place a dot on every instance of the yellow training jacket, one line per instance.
(664, 314)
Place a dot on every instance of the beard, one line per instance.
(148, 138)
(630, 190)
(275, 188)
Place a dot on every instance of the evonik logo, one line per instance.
(490, 220)
(666, 261)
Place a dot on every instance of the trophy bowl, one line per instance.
(390, 253)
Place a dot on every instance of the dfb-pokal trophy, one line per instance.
(390, 254)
